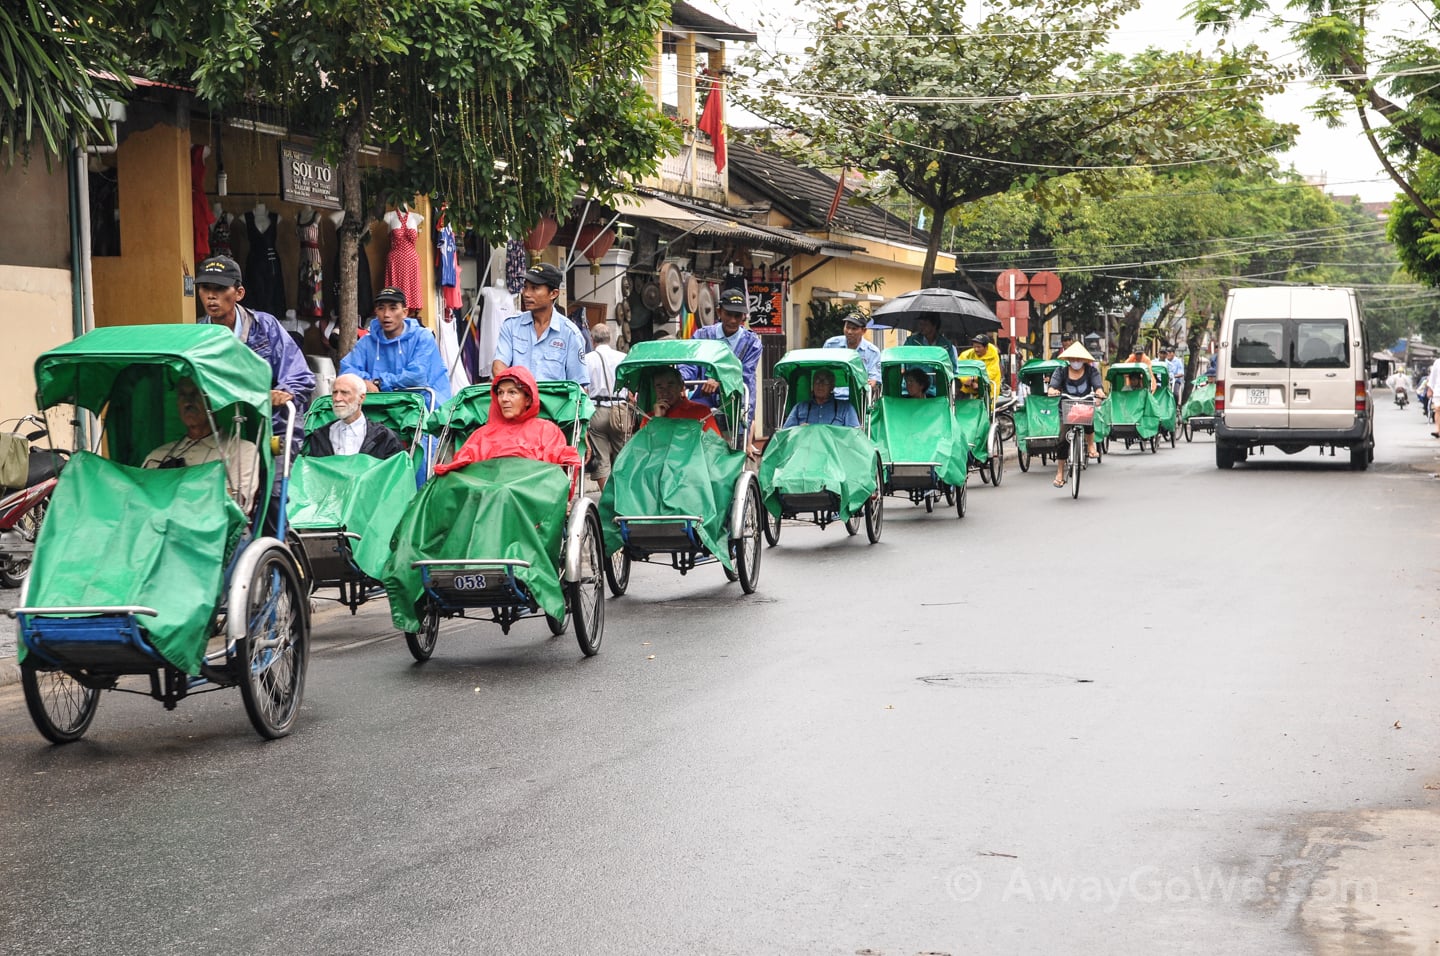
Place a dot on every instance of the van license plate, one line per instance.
(1258, 396)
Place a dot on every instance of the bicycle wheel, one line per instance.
(1077, 462)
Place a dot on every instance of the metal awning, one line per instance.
(693, 221)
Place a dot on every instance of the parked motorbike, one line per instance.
(23, 509)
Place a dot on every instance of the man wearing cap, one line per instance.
(398, 353)
(1176, 367)
(854, 338)
(982, 351)
(219, 287)
(744, 343)
(541, 339)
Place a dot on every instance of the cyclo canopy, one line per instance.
(120, 535)
(819, 458)
(912, 430)
(1135, 407)
(972, 409)
(1038, 417)
(713, 358)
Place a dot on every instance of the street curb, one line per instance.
(9, 672)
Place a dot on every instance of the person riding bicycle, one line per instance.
(1080, 378)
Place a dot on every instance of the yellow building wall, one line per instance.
(35, 315)
(146, 282)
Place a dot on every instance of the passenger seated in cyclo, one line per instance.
(200, 444)
(917, 383)
(670, 400)
(514, 429)
(822, 408)
(351, 433)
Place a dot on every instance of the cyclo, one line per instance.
(344, 508)
(1165, 403)
(1132, 413)
(137, 570)
(678, 493)
(512, 538)
(1037, 419)
(1198, 415)
(830, 472)
(974, 413)
(924, 453)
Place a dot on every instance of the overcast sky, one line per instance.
(1341, 156)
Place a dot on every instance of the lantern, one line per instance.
(594, 241)
(539, 237)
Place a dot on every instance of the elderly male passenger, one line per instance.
(822, 408)
(351, 433)
(200, 444)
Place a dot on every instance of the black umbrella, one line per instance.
(959, 314)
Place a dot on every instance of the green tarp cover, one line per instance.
(812, 458)
(156, 537)
(1039, 417)
(712, 354)
(355, 493)
(1201, 402)
(1102, 420)
(972, 417)
(921, 429)
(508, 508)
(674, 466)
(1165, 408)
(1136, 407)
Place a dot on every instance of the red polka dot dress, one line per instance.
(402, 268)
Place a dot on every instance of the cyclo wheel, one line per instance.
(997, 459)
(617, 572)
(1172, 438)
(422, 642)
(1022, 458)
(586, 596)
(771, 528)
(874, 516)
(272, 654)
(1185, 427)
(557, 625)
(1077, 461)
(61, 707)
(745, 548)
(852, 525)
(960, 498)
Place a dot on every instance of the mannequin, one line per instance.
(264, 279)
(220, 232)
(364, 290)
(262, 216)
(309, 289)
(402, 266)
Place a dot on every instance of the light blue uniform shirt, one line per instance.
(558, 355)
(833, 412)
(869, 354)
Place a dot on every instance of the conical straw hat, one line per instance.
(1076, 351)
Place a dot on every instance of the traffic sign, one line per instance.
(1012, 284)
(1044, 287)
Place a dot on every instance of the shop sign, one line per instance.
(306, 180)
(767, 307)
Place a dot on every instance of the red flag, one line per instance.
(712, 122)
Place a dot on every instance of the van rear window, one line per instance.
(1258, 343)
(1321, 343)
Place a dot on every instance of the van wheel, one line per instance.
(1359, 458)
(1224, 455)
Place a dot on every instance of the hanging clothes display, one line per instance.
(220, 236)
(364, 288)
(264, 279)
(449, 267)
(402, 267)
(499, 306)
(201, 212)
(309, 294)
(516, 262)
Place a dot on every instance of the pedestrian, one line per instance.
(541, 338)
(747, 348)
(1176, 368)
(398, 353)
(614, 419)
(220, 288)
(854, 338)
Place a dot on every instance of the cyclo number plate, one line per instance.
(1258, 396)
(469, 582)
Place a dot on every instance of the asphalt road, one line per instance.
(1192, 712)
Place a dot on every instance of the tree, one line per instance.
(958, 107)
(48, 92)
(507, 110)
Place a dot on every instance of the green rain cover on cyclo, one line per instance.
(1200, 403)
(1038, 418)
(165, 549)
(674, 466)
(972, 417)
(508, 508)
(358, 493)
(921, 429)
(809, 459)
(1134, 407)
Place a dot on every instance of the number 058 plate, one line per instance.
(1257, 396)
(469, 582)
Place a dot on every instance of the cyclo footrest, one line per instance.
(98, 639)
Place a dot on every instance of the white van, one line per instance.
(1293, 373)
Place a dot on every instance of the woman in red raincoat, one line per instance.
(513, 429)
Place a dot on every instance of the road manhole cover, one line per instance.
(995, 680)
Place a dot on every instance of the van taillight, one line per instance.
(1219, 395)
(1362, 396)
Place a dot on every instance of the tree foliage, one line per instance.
(956, 106)
(48, 93)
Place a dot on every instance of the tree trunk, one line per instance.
(932, 248)
(1129, 331)
(350, 229)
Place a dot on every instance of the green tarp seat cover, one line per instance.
(910, 430)
(972, 417)
(505, 508)
(1102, 420)
(1136, 408)
(355, 493)
(1038, 419)
(813, 458)
(674, 467)
(1201, 402)
(158, 537)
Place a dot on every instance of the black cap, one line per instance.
(856, 320)
(543, 273)
(218, 270)
(390, 294)
(733, 300)
(980, 338)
